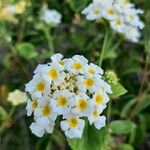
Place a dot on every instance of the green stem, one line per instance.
(103, 48)
(141, 95)
(49, 38)
(2, 128)
(108, 111)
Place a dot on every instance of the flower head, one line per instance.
(121, 15)
(70, 88)
(17, 97)
(51, 16)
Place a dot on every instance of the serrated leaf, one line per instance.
(91, 139)
(26, 50)
(121, 126)
(117, 90)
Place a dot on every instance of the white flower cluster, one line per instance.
(51, 16)
(121, 14)
(70, 88)
(9, 11)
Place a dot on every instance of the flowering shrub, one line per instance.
(71, 88)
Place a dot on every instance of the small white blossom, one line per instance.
(72, 126)
(17, 97)
(51, 16)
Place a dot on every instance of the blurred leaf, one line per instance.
(26, 50)
(3, 94)
(77, 5)
(126, 109)
(3, 113)
(121, 126)
(137, 135)
(117, 90)
(110, 54)
(91, 139)
(125, 147)
(146, 102)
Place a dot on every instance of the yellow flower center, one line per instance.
(82, 104)
(95, 114)
(131, 17)
(118, 22)
(102, 89)
(62, 101)
(53, 73)
(77, 66)
(91, 70)
(73, 122)
(46, 110)
(111, 11)
(40, 86)
(96, 11)
(99, 99)
(34, 104)
(62, 62)
(126, 1)
(89, 82)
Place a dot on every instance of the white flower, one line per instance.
(37, 129)
(41, 127)
(72, 126)
(99, 121)
(83, 105)
(104, 87)
(118, 24)
(93, 69)
(32, 106)
(110, 13)
(62, 102)
(76, 64)
(131, 33)
(51, 17)
(50, 74)
(100, 100)
(37, 87)
(46, 111)
(88, 83)
(17, 97)
(58, 61)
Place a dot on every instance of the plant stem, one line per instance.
(2, 128)
(49, 38)
(103, 48)
(141, 96)
(108, 111)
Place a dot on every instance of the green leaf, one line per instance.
(91, 139)
(117, 90)
(121, 126)
(77, 5)
(127, 108)
(3, 114)
(125, 147)
(27, 50)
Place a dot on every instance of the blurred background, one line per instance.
(27, 40)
